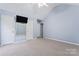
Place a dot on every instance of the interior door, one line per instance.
(20, 32)
(7, 29)
(29, 30)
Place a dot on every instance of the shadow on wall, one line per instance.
(60, 8)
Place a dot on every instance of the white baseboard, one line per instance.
(62, 41)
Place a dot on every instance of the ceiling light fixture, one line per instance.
(42, 4)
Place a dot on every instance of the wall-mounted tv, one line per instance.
(21, 19)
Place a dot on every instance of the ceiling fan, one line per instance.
(42, 4)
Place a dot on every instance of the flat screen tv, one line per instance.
(21, 19)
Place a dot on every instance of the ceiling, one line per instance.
(28, 9)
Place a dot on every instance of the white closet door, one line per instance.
(7, 29)
(20, 32)
(29, 30)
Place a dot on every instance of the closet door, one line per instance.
(29, 30)
(20, 32)
(7, 29)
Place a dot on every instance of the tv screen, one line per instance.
(21, 19)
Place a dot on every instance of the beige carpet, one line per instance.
(40, 47)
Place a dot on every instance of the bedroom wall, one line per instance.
(63, 23)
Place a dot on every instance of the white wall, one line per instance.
(63, 24)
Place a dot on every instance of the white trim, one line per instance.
(62, 41)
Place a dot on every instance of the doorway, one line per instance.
(20, 32)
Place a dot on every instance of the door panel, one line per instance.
(20, 32)
(7, 29)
